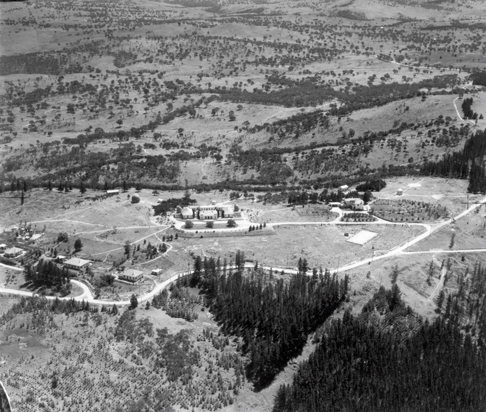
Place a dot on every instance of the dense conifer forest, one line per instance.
(371, 363)
(272, 317)
(463, 164)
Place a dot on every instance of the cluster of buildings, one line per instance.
(209, 212)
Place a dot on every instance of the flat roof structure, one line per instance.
(362, 237)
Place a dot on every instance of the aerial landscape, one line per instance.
(243, 205)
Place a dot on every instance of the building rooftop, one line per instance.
(207, 212)
(132, 273)
(14, 250)
(77, 262)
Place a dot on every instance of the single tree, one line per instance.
(133, 302)
(78, 245)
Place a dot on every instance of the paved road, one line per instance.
(397, 250)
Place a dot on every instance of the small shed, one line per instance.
(399, 192)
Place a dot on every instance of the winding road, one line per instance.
(429, 229)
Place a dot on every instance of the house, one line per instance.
(208, 214)
(131, 275)
(76, 263)
(156, 272)
(227, 211)
(334, 204)
(13, 252)
(187, 213)
(343, 188)
(113, 192)
(354, 203)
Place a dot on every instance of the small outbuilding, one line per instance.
(399, 192)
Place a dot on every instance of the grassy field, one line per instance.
(324, 246)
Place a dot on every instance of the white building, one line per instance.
(354, 203)
(131, 275)
(13, 252)
(228, 211)
(76, 263)
(208, 214)
(187, 213)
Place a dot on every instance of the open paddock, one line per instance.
(273, 213)
(448, 193)
(324, 246)
(468, 232)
